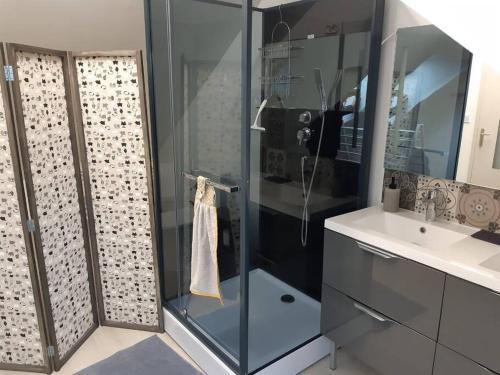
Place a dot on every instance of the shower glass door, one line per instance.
(273, 102)
(310, 63)
(206, 56)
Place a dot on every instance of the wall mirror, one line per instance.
(444, 115)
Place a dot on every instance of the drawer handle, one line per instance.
(371, 313)
(376, 251)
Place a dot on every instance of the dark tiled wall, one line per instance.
(467, 204)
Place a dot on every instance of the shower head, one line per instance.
(321, 89)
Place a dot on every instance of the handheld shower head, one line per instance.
(321, 89)
(305, 135)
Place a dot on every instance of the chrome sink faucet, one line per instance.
(430, 201)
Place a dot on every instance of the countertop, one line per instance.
(462, 259)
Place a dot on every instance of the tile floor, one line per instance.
(106, 341)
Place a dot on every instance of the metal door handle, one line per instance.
(482, 134)
(255, 125)
(375, 251)
(371, 313)
(219, 186)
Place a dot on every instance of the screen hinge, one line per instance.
(51, 352)
(8, 73)
(31, 225)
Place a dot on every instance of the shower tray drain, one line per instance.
(287, 298)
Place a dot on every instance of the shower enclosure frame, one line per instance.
(159, 50)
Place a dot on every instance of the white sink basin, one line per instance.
(416, 232)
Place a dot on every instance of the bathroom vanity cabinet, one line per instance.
(470, 322)
(407, 291)
(399, 316)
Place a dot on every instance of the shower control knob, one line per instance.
(305, 117)
(303, 135)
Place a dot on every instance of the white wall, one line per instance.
(74, 25)
(474, 24)
(397, 15)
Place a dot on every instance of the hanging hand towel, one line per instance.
(204, 267)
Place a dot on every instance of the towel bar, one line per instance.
(219, 186)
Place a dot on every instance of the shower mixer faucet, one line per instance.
(303, 135)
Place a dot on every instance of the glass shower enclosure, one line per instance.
(273, 102)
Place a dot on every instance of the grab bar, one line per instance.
(217, 185)
(376, 251)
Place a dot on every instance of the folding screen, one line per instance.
(22, 340)
(48, 149)
(73, 251)
(114, 144)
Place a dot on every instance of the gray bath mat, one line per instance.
(149, 357)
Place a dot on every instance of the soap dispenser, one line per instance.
(391, 197)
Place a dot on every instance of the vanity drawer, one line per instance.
(470, 322)
(387, 347)
(448, 362)
(406, 291)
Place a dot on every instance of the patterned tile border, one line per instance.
(467, 204)
(408, 184)
(447, 196)
(479, 207)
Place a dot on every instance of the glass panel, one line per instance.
(310, 78)
(206, 63)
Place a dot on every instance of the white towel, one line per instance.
(204, 267)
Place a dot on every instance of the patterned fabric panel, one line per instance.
(111, 110)
(47, 130)
(20, 342)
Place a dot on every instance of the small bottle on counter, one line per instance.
(391, 197)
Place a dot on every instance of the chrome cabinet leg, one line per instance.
(333, 356)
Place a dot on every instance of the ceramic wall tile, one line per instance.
(447, 196)
(467, 204)
(479, 207)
